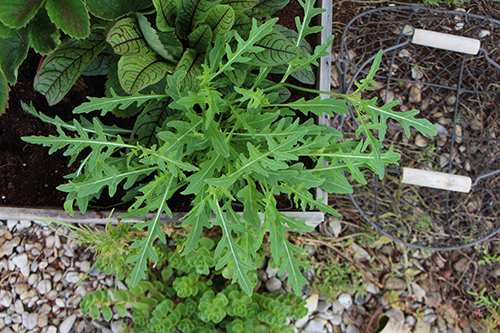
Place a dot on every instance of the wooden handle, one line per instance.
(443, 41)
(433, 179)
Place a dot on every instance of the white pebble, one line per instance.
(5, 298)
(60, 303)
(49, 241)
(72, 277)
(20, 260)
(19, 307)
(315, 325)
(67, 324)
(44, 286)
(312, 303)
(345, 300)
(30, 320)
(11, 224)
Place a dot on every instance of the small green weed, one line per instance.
(333, 278)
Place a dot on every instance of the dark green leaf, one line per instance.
(126, 38)
(17, 13)
(135, 73)
(148, 122)
(70, 16)
(220, 19)
(318, 106)
(192, 13)
(114, 9)
(166, 12)
(200, 39)
(44, 35)
(62, 68)
(240, 4)
(271, 6)
(99, 66)
(238, 74)
(4, 92)
(152, 38)
(14, 51)
(278, 50)
(242, 24)
(190, 63)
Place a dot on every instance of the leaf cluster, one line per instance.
(177, 297)
(231, 137)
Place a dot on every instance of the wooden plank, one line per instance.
(433, 179)
(37, 214)
(444, 41)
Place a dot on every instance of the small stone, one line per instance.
(72, 277)
(360, 254)
(21, 288)
(30, 320)
(23, 225)
(43, 320)
(312, 303)
(11, 224)
(52, 295)
(273, 284)
(20, 260)
(271, 272)
(67, 324)
(393, 283)
(351, 329)
(372, 288)
(5, 298)
(60, 303)
(422, 327)
(323, 306)
(335, 226)
(337, 307)
(32, 279)
(34, 266)
(85, 266)
(315, 325)
(8, 247)
(410, 320)
(44, 286)
(396, 314)
(117, 327)
(415, 93)
(57, 241)
(483, 33)
(32, 301)
(49, 241)
(429, 316)
(387, 96)
(51, 329)
(345, 300)
(336, 320)
(417, 291)
(416, 73)
(461, 265)
(19, 307)
(302, 322)
(420, 141)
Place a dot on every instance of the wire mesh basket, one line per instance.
(456, 90)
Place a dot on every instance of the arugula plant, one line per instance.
(228, 134)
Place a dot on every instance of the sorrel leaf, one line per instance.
(191, 13)
(137, 72)
(114, 9)
(240, 5)
(220, 20)
(14, 50)
(4, 92)
(166, 12)
(191, 64)
(271, 6)
(278, 50)
(200, 38)
(44, 35)
(153, 39)
(126, 38)
(242, 24)
(17, 13)
(70, 16)
(99, 66)
(61, 69)
(150, 119)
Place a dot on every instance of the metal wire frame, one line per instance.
(456, 91)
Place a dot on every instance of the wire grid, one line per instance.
(460, 94)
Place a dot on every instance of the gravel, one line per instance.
(46, 300)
